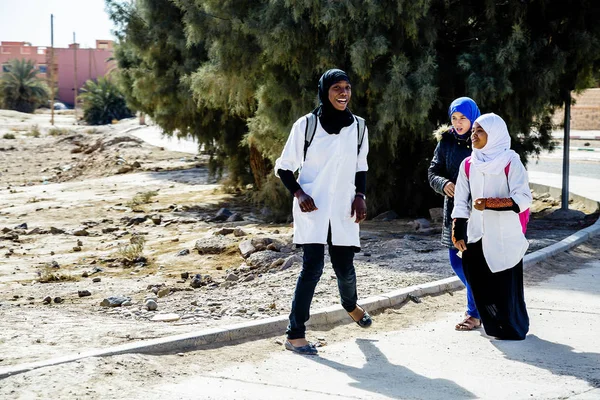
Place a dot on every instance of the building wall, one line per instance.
(91, 63)
(12, 50)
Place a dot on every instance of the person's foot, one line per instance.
(361, 317)
(299, 342)
(301, 346)
(468, 324)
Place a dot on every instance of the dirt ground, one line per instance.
(90, 213)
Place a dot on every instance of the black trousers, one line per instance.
(499, 296)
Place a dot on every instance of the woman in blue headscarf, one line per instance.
(454, 145)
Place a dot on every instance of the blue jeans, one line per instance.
(457, 266)
(342, 258)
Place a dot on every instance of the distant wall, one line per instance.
(585, 111)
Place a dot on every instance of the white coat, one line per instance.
(327, 175)
(503, 241)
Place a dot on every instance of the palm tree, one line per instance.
(20, 88)
(103, 102)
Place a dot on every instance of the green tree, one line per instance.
(20, 88)
(155, 61)
(258, 63)
(103, 102)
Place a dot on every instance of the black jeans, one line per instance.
(342, 258)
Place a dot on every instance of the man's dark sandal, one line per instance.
(307, 349)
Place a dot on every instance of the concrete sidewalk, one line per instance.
(576, 134)
(560, 359)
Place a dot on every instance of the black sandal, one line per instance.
(365, 321)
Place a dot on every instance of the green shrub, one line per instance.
(9, 136)
(20, 88)
(58, 131)
(103, 102)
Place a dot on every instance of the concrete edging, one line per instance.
(326, 316)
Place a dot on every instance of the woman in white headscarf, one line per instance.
(491, 190)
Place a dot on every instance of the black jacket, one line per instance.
(444, 167)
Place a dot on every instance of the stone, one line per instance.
(76, 248)
(47, 300)
(214, 245)
(185, 275)
(96, 280)
(58, 300)
(56, 231)
(290, 261)
(110, 229)
(126, 303)
(238, 232)
(85, 274)
(386, 216)
(81, 232)
(222, 214)
(223, 231)
(273, 247)
(84, 293)
(163, 292)
(248, 278)
(263, 259)
(114, 301)
(183, 252)
(196, 281)
(165, 318)
(156, 218)
(247, 248)
(235, 217)
(436, 214)
(21, 226)
(151, 305)
(231, 277)
(420, 223)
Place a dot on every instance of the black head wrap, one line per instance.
(332, 120)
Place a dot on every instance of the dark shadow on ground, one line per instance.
(557, 358)
(379, 376)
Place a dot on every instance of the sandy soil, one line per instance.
(85, 192)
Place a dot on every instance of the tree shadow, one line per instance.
(379, 376)
(557, 358)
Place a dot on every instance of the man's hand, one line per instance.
(479, 204)
(449, 189)
(359, 208)
(306, 203)
(460, 245)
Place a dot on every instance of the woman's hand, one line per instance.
(359, 208)
(449, 189)
(306, 203)
(479, 204)
(460, 245)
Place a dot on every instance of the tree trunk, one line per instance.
(258, 165)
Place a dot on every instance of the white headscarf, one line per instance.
(496, 154)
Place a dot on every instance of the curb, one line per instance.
(579, 148)
(327, 316)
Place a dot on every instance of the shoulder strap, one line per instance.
(468, 166)
(506, 169)
(360, 126)
(309, 131)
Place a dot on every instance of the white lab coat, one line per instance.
(327, 175)
(503, 241)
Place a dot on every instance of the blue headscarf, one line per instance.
(465, 106)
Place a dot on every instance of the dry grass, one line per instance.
(34, 131)
(132, 251)
(58, 131)
(141, 198)
(49, 275)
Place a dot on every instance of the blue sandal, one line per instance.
(307, 349)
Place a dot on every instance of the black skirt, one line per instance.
(499, 296)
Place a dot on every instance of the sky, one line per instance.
(29, 21)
